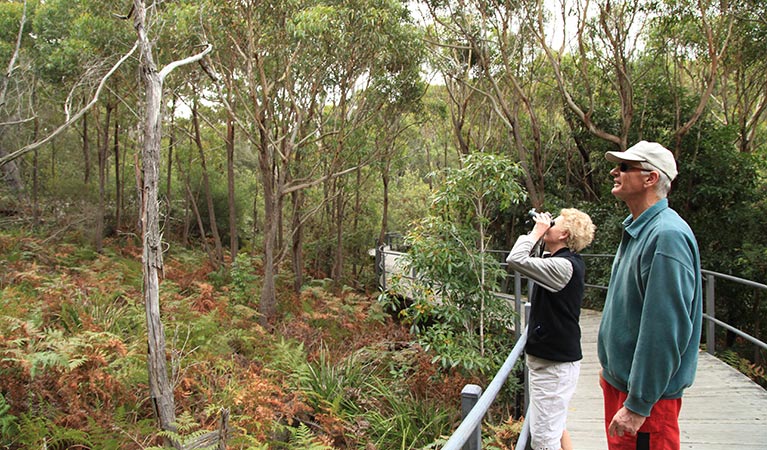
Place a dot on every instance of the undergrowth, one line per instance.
(335, 372)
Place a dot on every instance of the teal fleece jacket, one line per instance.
(651, 323)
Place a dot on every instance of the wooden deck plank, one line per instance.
(723, 409)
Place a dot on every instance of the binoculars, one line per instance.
(531, 216)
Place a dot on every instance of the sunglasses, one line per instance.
(625, 167)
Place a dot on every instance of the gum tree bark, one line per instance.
(161, 390)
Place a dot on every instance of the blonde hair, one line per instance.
(579, 227)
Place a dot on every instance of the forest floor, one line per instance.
(334, 371)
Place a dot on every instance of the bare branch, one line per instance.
(11, 156)
(298, 187)
(17, 122)
(194, 58)
(584, 117)
(12, 62)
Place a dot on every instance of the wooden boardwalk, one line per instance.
(722, 410)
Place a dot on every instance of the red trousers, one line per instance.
(659, 432)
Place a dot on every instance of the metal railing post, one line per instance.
(378, 270)
(383, 268)
(710, 310)
(527, 380)
(469, 397)
(474, 420)
(518, 304)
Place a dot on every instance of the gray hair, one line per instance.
(663, 186)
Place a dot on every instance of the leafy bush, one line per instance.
(454, 309)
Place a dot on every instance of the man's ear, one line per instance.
(564, 235)
(652, 179)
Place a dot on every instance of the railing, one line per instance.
(474, 406)
(473, 409)
(710, 303)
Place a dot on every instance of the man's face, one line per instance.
(628, 180)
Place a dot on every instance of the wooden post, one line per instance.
(223, 429)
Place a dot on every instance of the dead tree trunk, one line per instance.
(161, 390)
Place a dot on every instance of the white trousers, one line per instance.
(552, 385)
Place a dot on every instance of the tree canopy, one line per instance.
(292, 136)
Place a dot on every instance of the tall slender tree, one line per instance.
(161, 390)
(302, 87)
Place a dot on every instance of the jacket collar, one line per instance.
(558, 252)
(634, 227)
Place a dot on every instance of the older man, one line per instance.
(651, 323)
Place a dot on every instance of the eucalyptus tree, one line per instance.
(62, 47)
(272, 117)
(197, 98)
(455, 61)
(694, 44)
(390, 131)
(484, 48)
(13, 113)
(302, 72)
(373, 76)
(599, 72)
(86, 34)
(740, 96)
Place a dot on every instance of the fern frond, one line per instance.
(302, 438)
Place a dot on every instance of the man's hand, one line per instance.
(625, 421)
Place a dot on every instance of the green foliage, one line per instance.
(70, 34)
(334, 387)
(289, 358)
(454, 311)
(52, 349)
(470, 195)
(409, 197)
(405, 422)
(10, 19)
(244, 280)
(357, 390)
(744, 366)
(186, 433)
(8, 422)
(41, 432)
(302, 438)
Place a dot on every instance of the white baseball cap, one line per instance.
(651, 153)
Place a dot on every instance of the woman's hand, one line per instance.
(542, 224)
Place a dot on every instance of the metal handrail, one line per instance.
(710, 305)
(471, 424)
